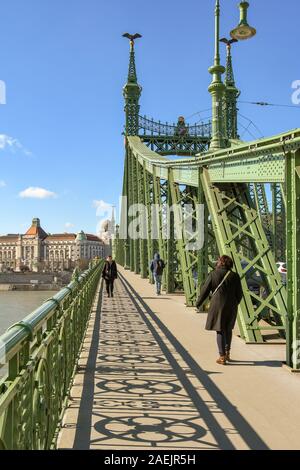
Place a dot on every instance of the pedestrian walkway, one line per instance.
(147, 379)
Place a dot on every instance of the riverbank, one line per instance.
(34, 281)
(29, 287)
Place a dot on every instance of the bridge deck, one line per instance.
(147, 379)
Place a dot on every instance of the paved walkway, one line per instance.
(147, 379)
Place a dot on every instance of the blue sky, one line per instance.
(65, 63)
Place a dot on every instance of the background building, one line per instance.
(107, 233)
(38, 251)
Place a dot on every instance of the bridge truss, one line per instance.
(231, 185)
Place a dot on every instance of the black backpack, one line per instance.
(159, 268)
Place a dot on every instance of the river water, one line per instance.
(14, 306)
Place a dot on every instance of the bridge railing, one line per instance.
(40, 355)
(149, 126)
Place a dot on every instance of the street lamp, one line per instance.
(243, 31)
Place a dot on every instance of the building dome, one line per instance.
(105, 226)
(81, 236)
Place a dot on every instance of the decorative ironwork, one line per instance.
(230, 96)
(168, 145)
(132, 92)
(41, 355)
(186, 130)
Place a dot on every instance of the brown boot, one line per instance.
(222, 360)
(227, 355)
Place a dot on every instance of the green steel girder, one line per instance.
(252, 195)
(188, 259)
(175, 145)
(262, 161)
(261, 203)
(293, 258)
(204, 253)
(172, 260)
(142, 221)
(233, 223)
(262, 169)
(279, 222)
(149, 200)
(131, 202)
(225, 202)
(135, 201)
(160, 189)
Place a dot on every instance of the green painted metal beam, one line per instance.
(293, 258)
(234, 221)
(262, 161)
(261, 203)
(188, 259)
(278, 222)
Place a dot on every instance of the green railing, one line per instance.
(41, 355)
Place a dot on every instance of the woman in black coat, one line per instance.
(227, 293)
(110, 274)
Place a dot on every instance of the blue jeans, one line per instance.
(157, 279)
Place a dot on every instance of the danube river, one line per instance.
(14, 306)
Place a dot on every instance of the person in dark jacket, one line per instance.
(226, 289)
(157, 267)
(110, 274)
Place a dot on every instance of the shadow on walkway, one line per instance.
(142, 389)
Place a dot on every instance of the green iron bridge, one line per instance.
(229, 178)
(219, 172)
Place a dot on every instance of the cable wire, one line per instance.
(251, 122)
(246, 129)
(263, 103)
(198, 113)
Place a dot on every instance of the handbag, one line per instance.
(207, 303)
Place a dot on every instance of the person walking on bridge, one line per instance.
(226, 289)
(157, 267)
(110, 274)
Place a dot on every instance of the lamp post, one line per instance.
(217, 87)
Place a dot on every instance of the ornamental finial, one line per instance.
(132, 38)
(132, 76)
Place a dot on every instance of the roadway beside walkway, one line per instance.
(147, 379)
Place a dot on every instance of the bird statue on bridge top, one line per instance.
(228, 42)
(132, 37)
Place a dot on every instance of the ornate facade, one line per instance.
(38, 251)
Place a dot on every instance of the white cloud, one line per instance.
(102, 208)
(69, 225)
(2, 184)
(7, 142)
(37, 193)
